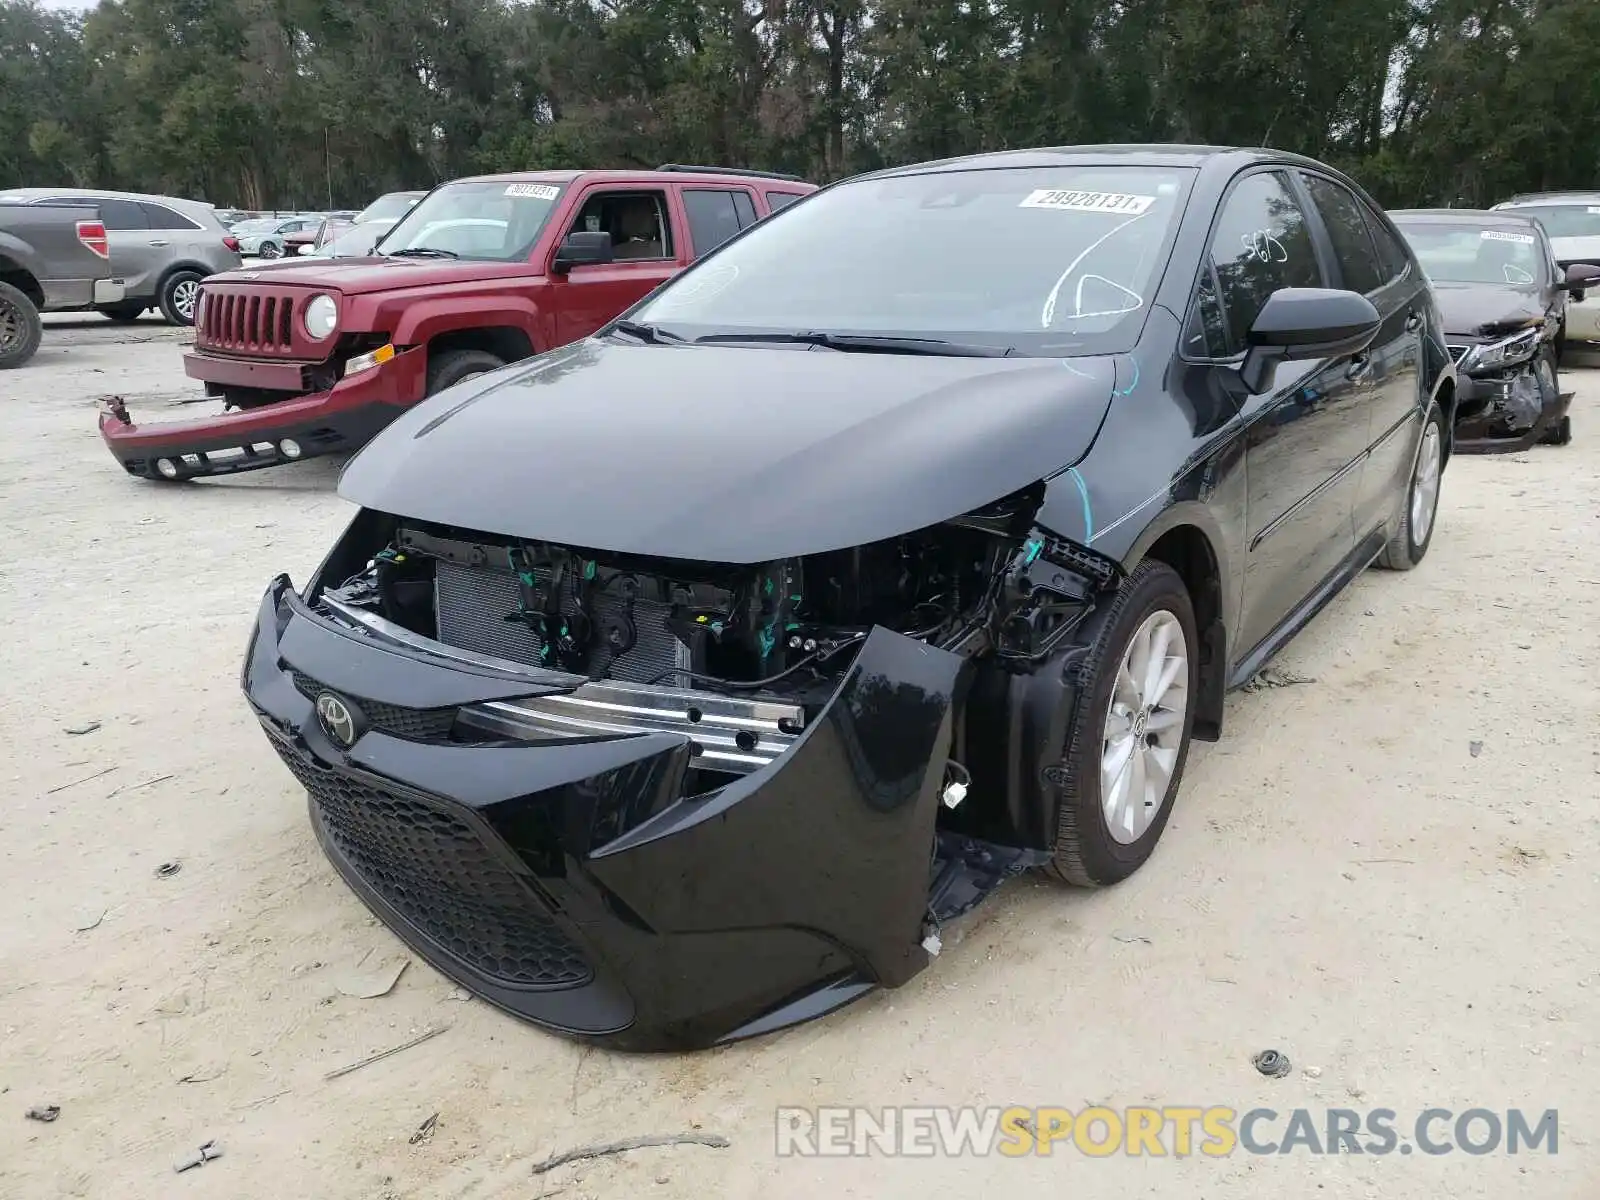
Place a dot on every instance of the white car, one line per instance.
(1571, 220)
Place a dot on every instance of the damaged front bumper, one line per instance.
(343, 418)
(527, 831)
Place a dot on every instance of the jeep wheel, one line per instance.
(179, 294)
(458, 366)
(1129, 739)
(20, 327)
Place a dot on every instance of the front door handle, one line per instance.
(161, 243)
(1413, 321)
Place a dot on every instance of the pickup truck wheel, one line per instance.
(20, 327)
(457, 366)
(179, 294)
(125, 312)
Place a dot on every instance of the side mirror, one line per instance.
(1580, 277)
(583, 250)
(1300, 323)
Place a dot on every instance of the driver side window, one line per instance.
(636, 220)
(1261, 244)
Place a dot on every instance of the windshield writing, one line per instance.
(491, 221)
(1038, 261)
(1469, 254)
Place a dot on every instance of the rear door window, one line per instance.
(1353, 246)
(161, 217)
(713, 217)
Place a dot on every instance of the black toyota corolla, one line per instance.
(675, 686)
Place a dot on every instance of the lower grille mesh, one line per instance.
(436, 872)
(472, 604)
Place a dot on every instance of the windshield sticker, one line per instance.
(1117, 203)
(538, 191)
(1494, 235)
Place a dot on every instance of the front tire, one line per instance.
(20, 327)
(1417, 517)
(269, 250)
(180, 292)
(457, 366)
(1129, 738)
(123, 314)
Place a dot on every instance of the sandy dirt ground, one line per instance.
(1343, 880)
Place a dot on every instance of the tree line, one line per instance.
(326, 103)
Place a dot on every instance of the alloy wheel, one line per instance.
(1425, 484)
(184, 296)
(13, 330)
(1144, 726)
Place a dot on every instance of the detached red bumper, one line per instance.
(343, 418)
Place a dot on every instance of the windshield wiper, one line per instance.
(867, 343)
(422, 252)
(653, 334)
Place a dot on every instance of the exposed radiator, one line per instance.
(473, 602)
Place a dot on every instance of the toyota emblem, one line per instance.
(336, 719)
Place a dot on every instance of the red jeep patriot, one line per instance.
(314, 356)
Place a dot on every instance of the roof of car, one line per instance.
(643, 175)
(112, 194)
(1538, 198)
(1130, 154)
(1459, 216)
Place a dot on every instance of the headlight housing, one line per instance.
(322, 317)
(1503, 353)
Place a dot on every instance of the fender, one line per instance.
(423, 320)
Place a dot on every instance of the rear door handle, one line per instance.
(161, 243)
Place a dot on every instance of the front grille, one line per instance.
(432, 869)
(472, 604)
(250, 320)
(413, 724)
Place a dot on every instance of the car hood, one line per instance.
(1487, 310)
(729, 454)
(356, 276)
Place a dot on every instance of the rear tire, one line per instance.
(457, 366)
(1405, 549)
(1088, 853)
(20, 327)
(269, 250)
(180, 291)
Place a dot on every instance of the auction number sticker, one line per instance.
(1116, 203)
(1494, 235)
(539, 191)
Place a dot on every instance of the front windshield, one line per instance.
(1454, 253)
(386, 208)
(506, 220)
(1053, 261)
(1565, 220)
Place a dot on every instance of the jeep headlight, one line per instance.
(322, 317)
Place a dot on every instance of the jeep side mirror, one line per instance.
(583, 249)
(1300, 323)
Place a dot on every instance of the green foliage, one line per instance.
(288, 103)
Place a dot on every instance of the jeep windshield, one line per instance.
(1054, 261)
(491, 221)
(1454, 252)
